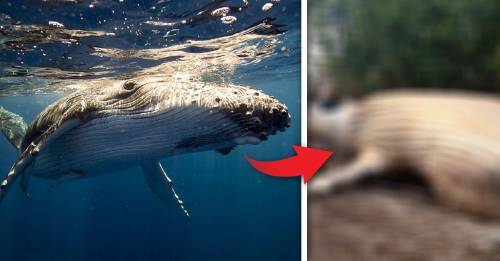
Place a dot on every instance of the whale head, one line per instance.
(227, 114)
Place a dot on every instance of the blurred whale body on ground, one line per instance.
(450, 139)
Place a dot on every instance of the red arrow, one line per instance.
(306, 163)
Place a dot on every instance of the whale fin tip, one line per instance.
(161, 184)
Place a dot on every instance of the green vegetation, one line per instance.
(408, 43)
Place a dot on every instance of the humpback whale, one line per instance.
(100, 129)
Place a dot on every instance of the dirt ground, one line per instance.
(377, 221)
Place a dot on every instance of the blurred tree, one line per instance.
(407, 43)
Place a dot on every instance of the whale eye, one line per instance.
(129, 85)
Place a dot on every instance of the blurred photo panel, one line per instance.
(407, 96)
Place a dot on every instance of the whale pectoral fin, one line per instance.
(74, 174)
(22, 162)
(32, 150)
(161, 184)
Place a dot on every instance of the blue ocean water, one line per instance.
(237, 213)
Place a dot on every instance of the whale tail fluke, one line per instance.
(13, 127)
